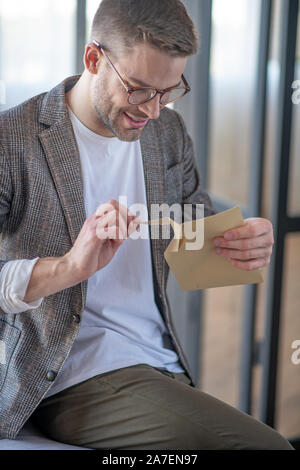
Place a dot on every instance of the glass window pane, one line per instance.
(294, 183)
(273, 78)
(92, 7)
(221, 353)
(288, 403)
(235, 32)
(37, 43)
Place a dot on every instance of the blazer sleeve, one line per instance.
(193, 192)
(6, 191)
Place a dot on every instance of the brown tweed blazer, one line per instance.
(41, 214)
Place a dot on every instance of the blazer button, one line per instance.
(51, 375)
(76, 318)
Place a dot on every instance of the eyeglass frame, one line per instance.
(129, 90)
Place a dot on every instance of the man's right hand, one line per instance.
(99, 239)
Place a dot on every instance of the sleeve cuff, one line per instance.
(14, 279)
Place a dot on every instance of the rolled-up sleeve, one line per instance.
(14, 280)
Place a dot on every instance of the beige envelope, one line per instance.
(202, 268)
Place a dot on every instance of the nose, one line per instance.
(152, 108)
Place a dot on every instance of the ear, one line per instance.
(92, 58)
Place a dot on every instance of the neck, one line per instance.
(79, 100)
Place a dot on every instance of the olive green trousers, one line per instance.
(141, 407)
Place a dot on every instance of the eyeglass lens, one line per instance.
(141, 96)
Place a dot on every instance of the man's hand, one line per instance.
(101, 236)
(98, 241)
(250, 246)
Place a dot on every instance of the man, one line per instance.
(88, 346)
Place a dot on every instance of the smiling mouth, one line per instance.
(136, 123)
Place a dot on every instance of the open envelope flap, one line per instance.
(203, 268)
(187, 236)
(177, 228)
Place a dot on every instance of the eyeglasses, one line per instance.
(138, 95)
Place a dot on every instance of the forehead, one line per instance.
(151, 66)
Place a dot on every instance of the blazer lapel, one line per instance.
(62, 155)
(60, 147)
(154, 171)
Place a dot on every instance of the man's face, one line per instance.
(143, 66)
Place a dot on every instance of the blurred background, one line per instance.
(246, 133)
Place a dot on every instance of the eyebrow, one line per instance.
(143, 84)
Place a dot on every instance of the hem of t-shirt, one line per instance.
(86, 376)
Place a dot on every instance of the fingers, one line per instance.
(247, 259)
(110, 220)
(250, 246)
(246, 254)
(134, 225)
(104, 233)
(262, 241)
(114, 221)
(252, 264)
(104, 209)
(253, 227)
(113, 205)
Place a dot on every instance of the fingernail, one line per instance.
(217, 242)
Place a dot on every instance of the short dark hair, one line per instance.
(165, 24)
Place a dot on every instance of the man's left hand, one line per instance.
(250, 246)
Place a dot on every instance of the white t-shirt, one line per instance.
(121, 324)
